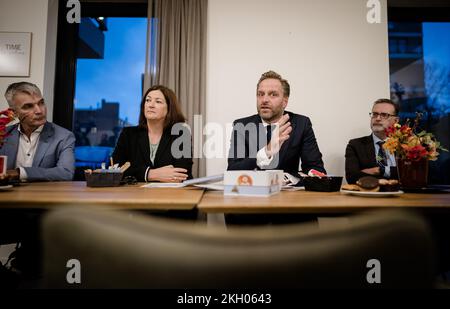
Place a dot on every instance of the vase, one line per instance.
(412, 175)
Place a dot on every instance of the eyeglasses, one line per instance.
(382, 115)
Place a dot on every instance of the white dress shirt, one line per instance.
(27, 150)
(262, 160)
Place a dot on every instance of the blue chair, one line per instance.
(90, 157)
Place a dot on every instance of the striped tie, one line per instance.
(381, 156)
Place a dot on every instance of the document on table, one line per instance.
(211, 186)
(195, 181)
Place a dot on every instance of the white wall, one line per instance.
(336, 63)
(32, 16)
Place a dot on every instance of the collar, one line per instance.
(38, 130)
(265, 124)
(376, 139)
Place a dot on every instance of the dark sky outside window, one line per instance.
(436, 47)
(117, 77)
(420, 81)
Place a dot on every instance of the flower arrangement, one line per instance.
(6, 117)
(409, 145)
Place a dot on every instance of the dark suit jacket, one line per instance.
(133, 146)
(300, 145)
(359, 155)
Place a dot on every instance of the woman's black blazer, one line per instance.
(133, 146)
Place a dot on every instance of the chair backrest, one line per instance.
(92, 156)
(124, 250)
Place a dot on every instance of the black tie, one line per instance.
(269, 133)
(381, 157)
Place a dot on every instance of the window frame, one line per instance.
(66, 53)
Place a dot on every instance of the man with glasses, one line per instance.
(365, 156)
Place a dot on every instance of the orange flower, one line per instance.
(406, 144)
(391, 145)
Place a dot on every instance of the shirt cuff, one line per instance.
(262, 160)
(146, 173)
(23, 174)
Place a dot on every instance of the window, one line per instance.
(99, 76)
(419, 53)
(109, 83)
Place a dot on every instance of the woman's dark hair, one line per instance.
(174, 114)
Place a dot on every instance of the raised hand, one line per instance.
(279, 135)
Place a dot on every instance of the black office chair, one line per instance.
(124, 250)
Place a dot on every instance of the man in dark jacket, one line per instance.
(365, 156)
(274, 138)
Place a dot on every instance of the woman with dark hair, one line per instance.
(154, 152)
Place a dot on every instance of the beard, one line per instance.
(378, 129)
(268, 114)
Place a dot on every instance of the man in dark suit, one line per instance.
(274, 138)
(365, 156)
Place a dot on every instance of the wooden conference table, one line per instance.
(50, 195)
(309, 202)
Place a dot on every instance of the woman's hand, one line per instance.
(167, 173)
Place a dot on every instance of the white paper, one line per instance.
(164, 185)
(184, 183)
(292, 188)
(206, 179)
(211, 186)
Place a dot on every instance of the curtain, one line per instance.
(176, 58)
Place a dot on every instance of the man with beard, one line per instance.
(274, 138)
(365, 156)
